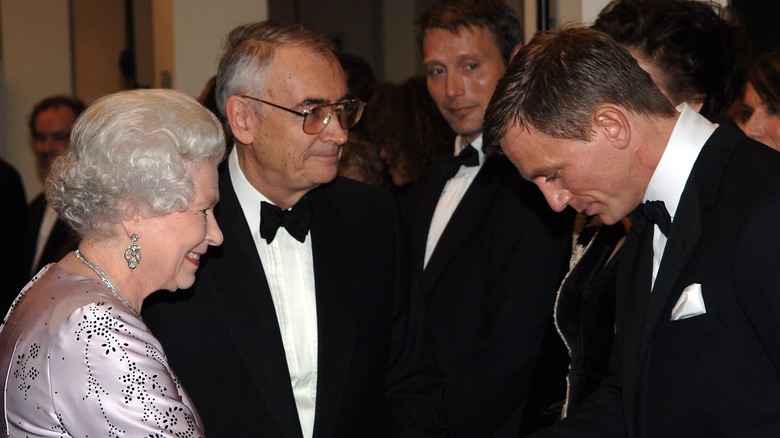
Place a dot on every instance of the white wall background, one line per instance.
(36, 58)
(36, 62)
(200, 27)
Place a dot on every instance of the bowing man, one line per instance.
(696, 350)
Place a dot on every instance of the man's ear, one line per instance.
(611, 122)
(240, 115)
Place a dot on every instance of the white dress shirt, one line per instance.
(289, 269)
(451, 195)
(690, 133)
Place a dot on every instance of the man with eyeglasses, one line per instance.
(304, 323)
(48, 238)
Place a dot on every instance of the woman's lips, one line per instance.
(193, 258)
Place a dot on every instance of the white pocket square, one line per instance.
(690, 303)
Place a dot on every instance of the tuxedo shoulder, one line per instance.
(756, 162)
(38, 202)
(8, 174)
(766, 163)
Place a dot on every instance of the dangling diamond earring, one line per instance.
(133, 253)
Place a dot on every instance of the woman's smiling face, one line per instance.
(173, 244)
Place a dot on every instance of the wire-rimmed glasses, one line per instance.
(317, 117)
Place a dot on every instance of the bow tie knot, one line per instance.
(468, 157)
(656, 212)
(295, 220)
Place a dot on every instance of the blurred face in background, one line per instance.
(760, 122)
(51, 136)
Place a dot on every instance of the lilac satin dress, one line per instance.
(76, 362)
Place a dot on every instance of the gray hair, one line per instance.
(249, 50)
(131, 153)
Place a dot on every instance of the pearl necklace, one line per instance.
(107, 282)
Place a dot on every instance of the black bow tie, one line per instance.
(468, 157)
(655, 212)
(295, 220)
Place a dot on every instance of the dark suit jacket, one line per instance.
(12, 224)
(61, 240)
(376, 376)
(489, 288)
(716, 374)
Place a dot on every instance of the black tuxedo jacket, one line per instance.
(376, 375)
(489, 289)
(61, 241)
(716, 374)
(12, 224)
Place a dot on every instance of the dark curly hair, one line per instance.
(75, 104)
(409, 126)
(701, 47)
(764, 75)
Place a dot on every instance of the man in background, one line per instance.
(48, 239)
(489, 253)
(12, 222)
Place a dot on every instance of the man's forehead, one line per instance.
(468, 43)
(59, 111)
(289, 56)
(464, 30)
(61, 114)
(467, 33)
(523, 146)
(310, 76)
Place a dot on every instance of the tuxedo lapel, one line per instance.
(241, 289)
(464, 219)
(633, 292)
(682, 241)
(431, 186)
(336, 312)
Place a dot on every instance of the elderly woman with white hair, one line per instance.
(138, 183)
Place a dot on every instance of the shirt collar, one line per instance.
(690, 133)
(248, 196)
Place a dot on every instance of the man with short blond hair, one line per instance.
(696, 351)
